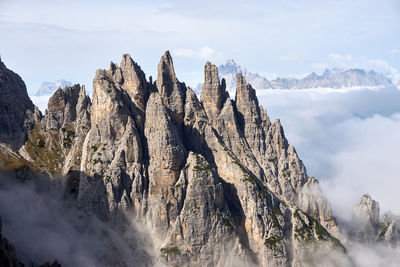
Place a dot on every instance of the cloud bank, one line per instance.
(348, 139)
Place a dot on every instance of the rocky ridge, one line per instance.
(330, 78)
(214, 180)
(369, 228)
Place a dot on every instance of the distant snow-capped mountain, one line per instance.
(334, 79)
(48, 88)
(229, 70)
(331, 78)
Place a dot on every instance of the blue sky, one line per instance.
(48, 40)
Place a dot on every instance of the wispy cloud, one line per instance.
(395, 51)
(383, 66)
(293, 57)
(340, 57)
(204, 52)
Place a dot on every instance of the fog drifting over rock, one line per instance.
(347, 138)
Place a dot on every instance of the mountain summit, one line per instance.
(331, 78)
(229, 70)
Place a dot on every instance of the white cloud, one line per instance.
(395, 51)
(293, 57)
(40, 101)
(347, 139)
(339, 60)
(269, 75)
(340, 57)
(367, 163)
(204, 52)
(384, 67)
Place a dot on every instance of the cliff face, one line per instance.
(17, 112)
(214, 180)
(369, 228)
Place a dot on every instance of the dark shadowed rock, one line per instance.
(17, 112)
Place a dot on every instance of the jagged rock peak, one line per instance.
(172, 92)
(63, 97)
(131, 78)
(245, 94)
(121, 90)
(128, 77)
(389, 229)
(213, 93)
(366, 218)
(166, 64)
(367, 208)
(17, 112)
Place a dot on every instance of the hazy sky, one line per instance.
(51, 39)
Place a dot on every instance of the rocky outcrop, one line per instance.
(17, 112)
(389, 230)
(284, 172)
(366, 219)
(367, 227)
(172, 92)
(54, 144)
(214, 181)
(213, 94)
(166, 159)
(113, 163)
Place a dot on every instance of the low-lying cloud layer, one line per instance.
(348, 139)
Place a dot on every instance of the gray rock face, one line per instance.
(112, 153)
(213, 94)
(17, 112)
(215, 182)
(172, 92)
(389, 230)
(366, 218)
(368, 228)
(54, 143)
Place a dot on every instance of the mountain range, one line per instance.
(208, 182)
(330, 78)
(48, 88)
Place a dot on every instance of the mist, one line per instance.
(46, 225)
(349, 140)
